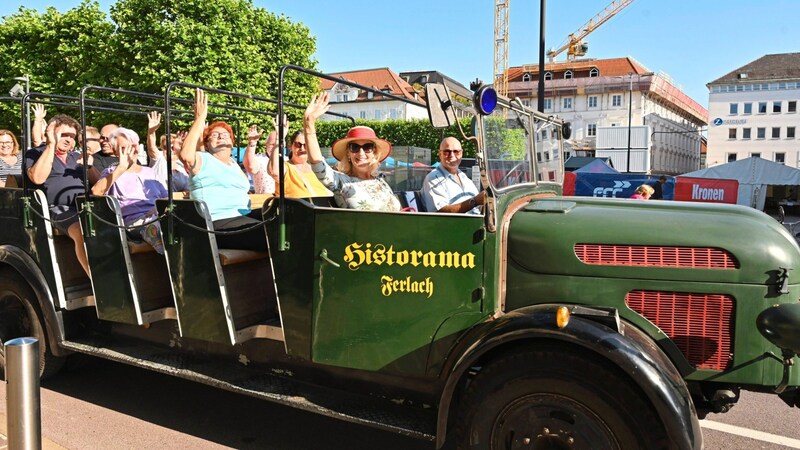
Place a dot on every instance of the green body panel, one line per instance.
(400, 277)
(195, 276)
(112, 284)
(543, 266)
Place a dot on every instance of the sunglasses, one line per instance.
(67, 135)
(453, 152)
(369, 147)
(219, 135)
(93, 139)
(299, 144)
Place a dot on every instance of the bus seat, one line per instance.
(412, 199)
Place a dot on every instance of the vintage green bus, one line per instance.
(544, 322)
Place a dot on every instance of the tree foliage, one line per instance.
(146, 44)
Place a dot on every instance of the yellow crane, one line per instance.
(501, 46)
(574, 44)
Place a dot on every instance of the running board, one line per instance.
(386, 414)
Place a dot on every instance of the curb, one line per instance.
(47, 444)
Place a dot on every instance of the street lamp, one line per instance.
(18, 91)
(630, 118)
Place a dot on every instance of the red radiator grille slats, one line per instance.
(699, 324)
(655, 256)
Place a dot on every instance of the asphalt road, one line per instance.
(105, 405)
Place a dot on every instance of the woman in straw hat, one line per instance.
(355, 184)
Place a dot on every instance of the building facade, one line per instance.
(753, 112)
(595, 94)
(366, 105)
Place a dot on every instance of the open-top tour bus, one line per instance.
(546, 321)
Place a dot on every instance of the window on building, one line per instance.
(548, 75)
(594, 72)
(761, 133)
(776, 132)
(377, 114)
(776, 107)
(527, 103)
(748, 108)
(547, 156)
(734, 108)
(394, 113)
(755, 155)
(568, 75)
(789, 132)
(362, 114)
(791, 107)
(567, 102)
(591, 129)
(592, 101)
(731, 133)
(370, 95)
(762, 107)
(616, 100)
(548, 103)
(538, 157)
(745, 133)
(731, 157)
(780, 158)
(526, 77)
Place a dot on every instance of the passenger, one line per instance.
(355, 185)
(658, 188)
(216, 179)
(256, 165)
(299, 180)
(10, 159)
(448, 189)
(92, 141)
(180, 178)
(136, 187)
(643, 192)
(105, 158)
(59, 171)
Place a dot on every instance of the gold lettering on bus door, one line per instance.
(357, 254)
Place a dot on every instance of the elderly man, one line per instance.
(446, 188)
(58, 171)
(105, 157)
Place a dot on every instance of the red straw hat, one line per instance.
(382, 147)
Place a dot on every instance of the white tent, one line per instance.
(754, 175)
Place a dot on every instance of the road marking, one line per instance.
(752, 434)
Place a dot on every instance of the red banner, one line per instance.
(706, 190)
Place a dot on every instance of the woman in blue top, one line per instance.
(216, 179)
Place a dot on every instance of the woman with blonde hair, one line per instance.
(643, 192)
(10, 161)
(355, 184)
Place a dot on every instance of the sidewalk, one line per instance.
(47, 444)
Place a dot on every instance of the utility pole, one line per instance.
(630, 116)
(540, 88)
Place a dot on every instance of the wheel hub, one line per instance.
(550, 422)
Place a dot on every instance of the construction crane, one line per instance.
(501, 46)
(574, 44)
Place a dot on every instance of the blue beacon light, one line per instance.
(485, 100)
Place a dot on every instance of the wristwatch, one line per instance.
(472, 202)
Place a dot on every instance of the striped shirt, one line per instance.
(10, 169)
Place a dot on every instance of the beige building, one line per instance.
(597, 96)
(753, 112)
(362, 104)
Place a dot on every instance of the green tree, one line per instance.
(226, 44)
(62, 52)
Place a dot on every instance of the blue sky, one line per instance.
(693, 41)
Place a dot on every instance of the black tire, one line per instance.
(550, 399)
(20, 317)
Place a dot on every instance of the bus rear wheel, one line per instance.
(548, 399)
(19, 317)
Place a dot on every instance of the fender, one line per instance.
(630, 350)
(27, 268)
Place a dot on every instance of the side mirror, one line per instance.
(440, 106)
(566, 130)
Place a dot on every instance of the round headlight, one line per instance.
(485, 100)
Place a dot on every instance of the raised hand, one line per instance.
(254, 134)
(51, 134)
(318, 106)
(200, 106)
(153, 121)
(39, 112)
(127, 155)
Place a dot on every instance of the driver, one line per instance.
(448, 189)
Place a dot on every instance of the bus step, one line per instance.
(268, 330)
(273, 385)
(79, 296)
